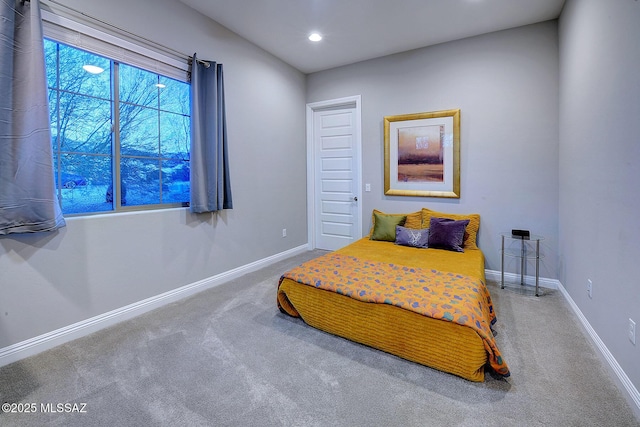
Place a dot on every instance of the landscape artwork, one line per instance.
(422, 154)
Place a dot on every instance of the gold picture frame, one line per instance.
(422, 154)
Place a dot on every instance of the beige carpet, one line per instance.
(228, 357)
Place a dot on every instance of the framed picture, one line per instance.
(422, 154)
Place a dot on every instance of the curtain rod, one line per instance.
(206, 64)
(146, 40)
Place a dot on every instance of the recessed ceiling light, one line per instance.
(315, 37)
(93, 69)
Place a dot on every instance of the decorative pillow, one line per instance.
(384, 226)
(414, 220)
(417, 238)
(471, 232)
(446, 233)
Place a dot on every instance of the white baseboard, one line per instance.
(620, 375)
(495, 276)
(631, 390)
(52, 339)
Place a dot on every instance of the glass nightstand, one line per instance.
(529, 248)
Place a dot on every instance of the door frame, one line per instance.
(346, 102)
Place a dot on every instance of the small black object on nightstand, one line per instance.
(520, 234)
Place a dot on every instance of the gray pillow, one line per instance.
(412, 237)
(445, 233)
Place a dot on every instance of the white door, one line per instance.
(336, 177)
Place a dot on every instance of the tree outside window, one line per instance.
(110, 120)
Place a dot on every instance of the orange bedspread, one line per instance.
(388, 326)
(440, 295)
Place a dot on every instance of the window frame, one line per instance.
(118, 50)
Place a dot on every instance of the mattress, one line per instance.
(319, 293)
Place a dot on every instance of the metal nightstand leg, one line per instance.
(523, 260)
(502, 265)
(537, 265)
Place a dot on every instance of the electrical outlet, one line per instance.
(590, 288)
(284, 232)
(632, 331)
(367, 187)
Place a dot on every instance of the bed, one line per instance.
(427, 305)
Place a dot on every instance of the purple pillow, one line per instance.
(412, 237)
(445, 233)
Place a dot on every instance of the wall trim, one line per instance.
(495, 276)
(620, 375)
(80, 329)
(632, 391)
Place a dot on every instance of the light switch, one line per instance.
(367, 187)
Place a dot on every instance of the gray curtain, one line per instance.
(28, 201)
(210, 184)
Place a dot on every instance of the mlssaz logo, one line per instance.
(64, 407)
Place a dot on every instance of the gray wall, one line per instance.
(527, 155)
(506, 86)
(98, 264)
(599, 168)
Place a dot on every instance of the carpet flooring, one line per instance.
(228, 357)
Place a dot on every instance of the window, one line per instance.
(120, 134)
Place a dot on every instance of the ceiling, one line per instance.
(357, 30)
